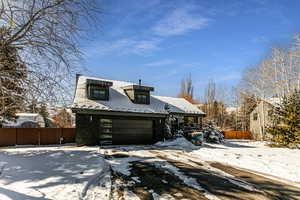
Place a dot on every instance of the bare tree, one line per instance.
(187, 89)
(46, 34)
(63, 119)
(210, 91)
(214, 104)
(210, 97)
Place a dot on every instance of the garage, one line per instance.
(132, 131)
(125, 131)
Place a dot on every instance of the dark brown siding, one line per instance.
(158, 130)
(87, 129)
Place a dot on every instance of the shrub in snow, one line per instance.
(213, 135)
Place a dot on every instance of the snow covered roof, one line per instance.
(273, 100)
(119, 101)
(27, 114)
(231, 109)
(17, 123)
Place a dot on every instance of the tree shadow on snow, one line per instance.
(17, 195)
(128, 148)
(47, 168)
(229, 143)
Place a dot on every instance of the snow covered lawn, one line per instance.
(52, 173)
(254, 155)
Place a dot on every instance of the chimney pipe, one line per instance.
(140, 82)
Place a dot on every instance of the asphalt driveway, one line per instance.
(171, 174)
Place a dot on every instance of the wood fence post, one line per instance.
(39, 136)
(61, 135)
(16, 136)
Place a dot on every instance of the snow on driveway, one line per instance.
(53, 173)
(254, 155)
(177, 169)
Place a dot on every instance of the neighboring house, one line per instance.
(231, 110)
(26, 120)
(116, 112)
(260, 117)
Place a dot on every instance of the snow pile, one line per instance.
(178, 143)
(278, 162)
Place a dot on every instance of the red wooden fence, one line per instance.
(36, 136)
(237, 135)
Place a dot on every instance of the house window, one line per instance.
(106, 131)
(99, 93)
(270, 113)
(96, 92)
(106, 126)
(141, 98)
(255, 116)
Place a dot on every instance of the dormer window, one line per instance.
(98, 93)
(142, 97)
(138, 94)
(98, 90)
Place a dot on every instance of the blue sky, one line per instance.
(163, 41)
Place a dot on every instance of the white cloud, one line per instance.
(125, 47)
(180, 21)
(160, 63)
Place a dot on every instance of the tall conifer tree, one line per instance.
(286, 121)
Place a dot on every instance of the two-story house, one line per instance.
(260, 118)
(117, 112)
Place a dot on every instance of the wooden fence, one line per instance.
(36, 136)
(237, 135)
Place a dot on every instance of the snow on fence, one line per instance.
(237, 135)
(36, 136)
